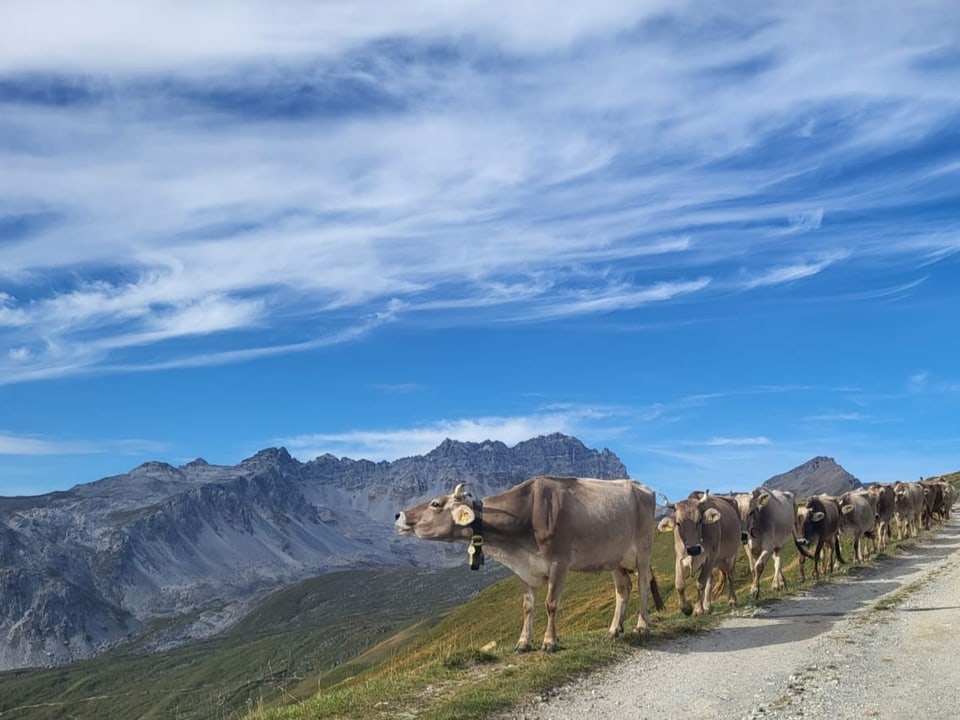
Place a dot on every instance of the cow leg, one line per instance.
(757, 567)
(704, 590)
(558, 576)
(729, 576)
(644, 578)
(779, 581)
(680, 585)
(622, 584)
(529, 602)
(801, 561)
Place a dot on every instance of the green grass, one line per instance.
(372, 644)
(440, 674)
(289, 642)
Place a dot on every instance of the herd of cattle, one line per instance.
(547, 526)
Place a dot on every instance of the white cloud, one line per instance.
(786, 273)
(738, 441)
(839, 417)
(21, 445)
(404, 442)
(543, 163)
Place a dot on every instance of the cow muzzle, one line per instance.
(694, 550)
(744, 538)
(400, 523)
(802, 541)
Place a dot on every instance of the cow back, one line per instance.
(590, 524)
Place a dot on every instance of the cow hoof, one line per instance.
(520, 649)
(549, 648)
(687, 611)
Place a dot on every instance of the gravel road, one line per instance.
(883, 642)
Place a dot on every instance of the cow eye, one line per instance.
(435, 504)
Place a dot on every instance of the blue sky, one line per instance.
(718, 241)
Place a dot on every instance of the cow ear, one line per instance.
(817, 516)
(763, 500)
(666, 525)
(846, 509)
(463, 515)
(711, 515)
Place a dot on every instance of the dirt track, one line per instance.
(832, 652)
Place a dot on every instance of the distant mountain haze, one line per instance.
(198, 545)
(819, 475)
(92, 567)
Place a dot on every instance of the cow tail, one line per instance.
(836, 544)
(655, 592)
(802, 550)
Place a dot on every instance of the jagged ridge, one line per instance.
(90, 568)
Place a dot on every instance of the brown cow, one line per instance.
(706, 534)
(858, 518)
(766, 524)
(908, 508)
(546, 526)
(885, 503)
(818, 517)
(932, 499)
(939, 495)
(949, 497)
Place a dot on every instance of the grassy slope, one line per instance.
(298, 651)
(451, 670)
(295, 634)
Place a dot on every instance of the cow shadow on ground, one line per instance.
(785, 621)
(818, 608)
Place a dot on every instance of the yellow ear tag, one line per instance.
(463, 515)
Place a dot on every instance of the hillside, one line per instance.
(372, 624)
(295, 635)
(193, 547)
(819, 475)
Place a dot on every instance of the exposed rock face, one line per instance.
(816, 476)
(89, 568)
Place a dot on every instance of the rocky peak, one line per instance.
(818, 475)
(276, 458)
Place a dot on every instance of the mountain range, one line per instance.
(104, 562)
(181, 553)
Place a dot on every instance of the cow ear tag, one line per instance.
(463, 515)
(666, 525)
(711, 516)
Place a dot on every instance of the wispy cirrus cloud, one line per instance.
(23, 445)
(390, 444)
(237, 174)
(738, 441)
(789, 273)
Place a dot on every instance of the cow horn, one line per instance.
(458, 492)
(666, 502)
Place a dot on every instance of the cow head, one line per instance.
(750, 506)
(687, 521)
(810, 517)
(447, 517)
